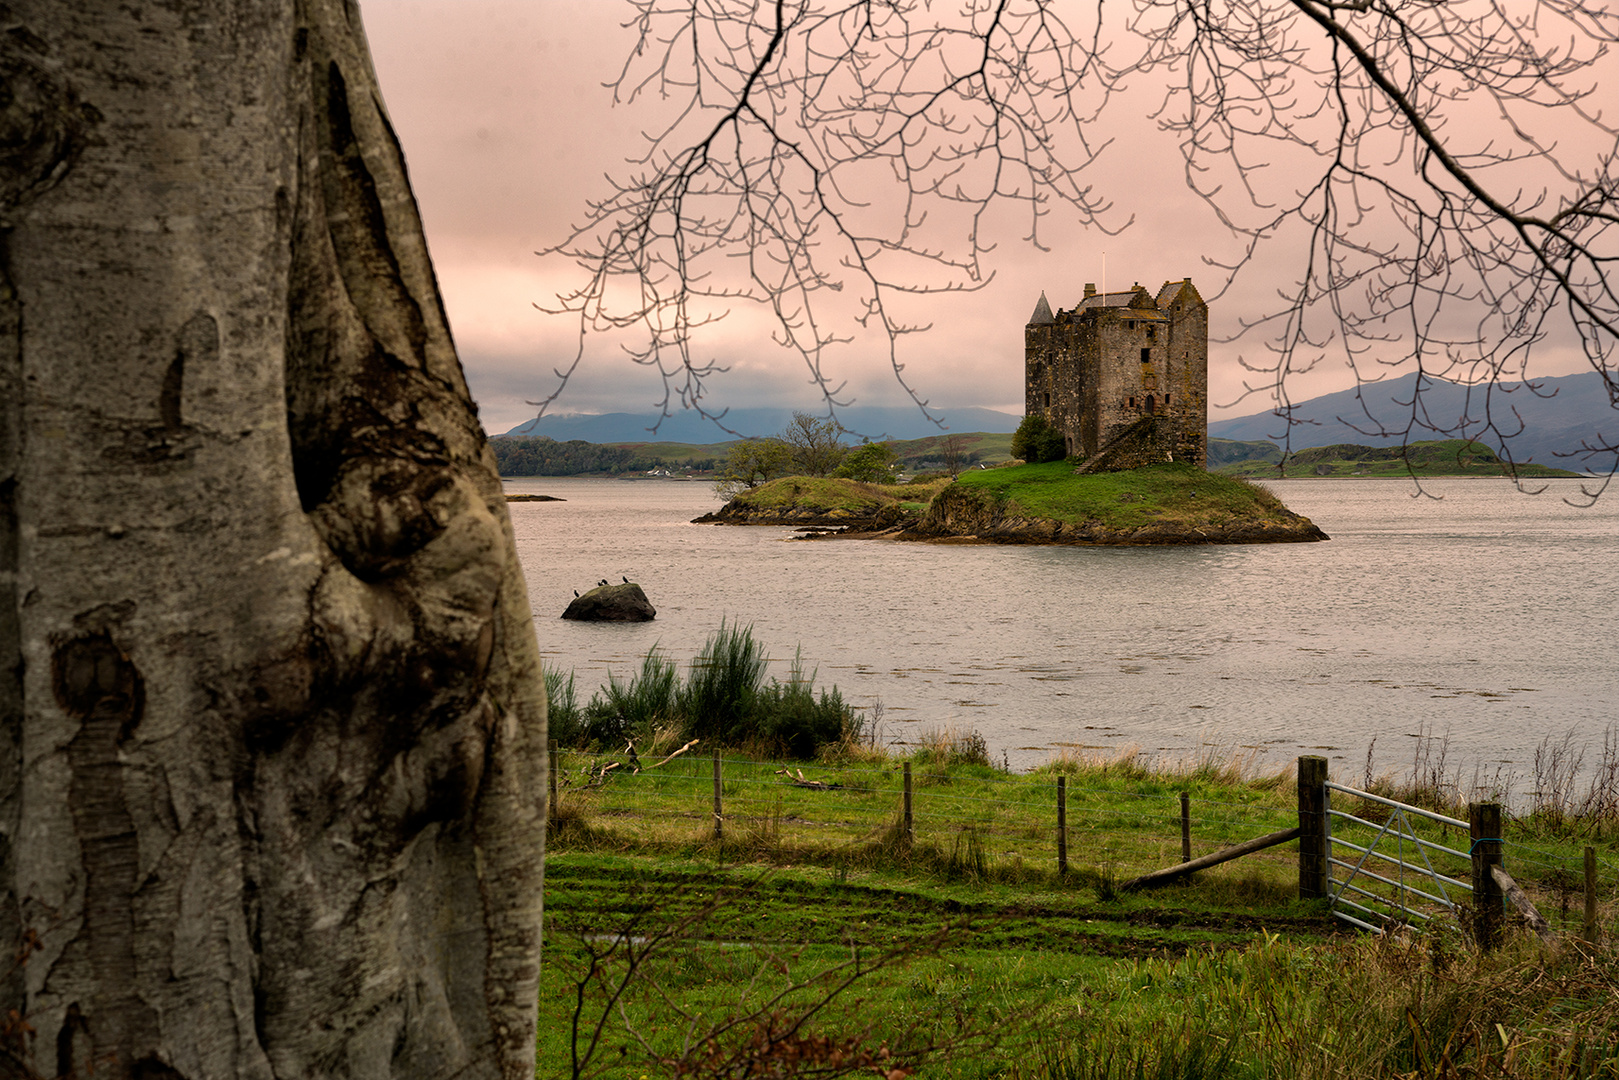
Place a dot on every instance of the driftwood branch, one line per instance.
(1525, 906)
(1248, 847)
(676, 754)
(800, 781)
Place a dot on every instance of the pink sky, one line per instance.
(508, 130)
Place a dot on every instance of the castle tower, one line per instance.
(1123, 375)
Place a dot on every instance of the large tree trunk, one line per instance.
(272, 771)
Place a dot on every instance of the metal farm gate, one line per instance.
(1393, 876)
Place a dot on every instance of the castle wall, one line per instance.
(1097, 370)
(1056, 384)
(1188, 355)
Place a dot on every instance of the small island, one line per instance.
(1113, 449)
(1047, 503)
(1052, 503)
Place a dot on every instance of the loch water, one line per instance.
(1470, 613)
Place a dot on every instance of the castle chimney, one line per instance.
(1090, 289)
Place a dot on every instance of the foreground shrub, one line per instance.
(789, 719)
(622, 711)
(565, 721)
(725, 700)
(717, 701)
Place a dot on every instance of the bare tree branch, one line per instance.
(1437, 181)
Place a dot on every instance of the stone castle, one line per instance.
(1123, 375)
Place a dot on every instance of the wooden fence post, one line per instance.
(1484, 826)
(551, 776)
(909, 832)
(1062, 824)
(1186, 828)
(1315, 829)
(1590, 934)
(719, 830)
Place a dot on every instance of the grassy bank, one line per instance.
(812, 930)
(836, 497)
(1443, 457)
(1162, 494)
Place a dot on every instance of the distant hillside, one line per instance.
(1555, 414)
(686, 427)
(526, 455)
(1443, 457)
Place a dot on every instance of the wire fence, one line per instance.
(1110, 831)
(1010, 820)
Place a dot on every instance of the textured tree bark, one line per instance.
(272, 766)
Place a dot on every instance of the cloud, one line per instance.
(508, 131)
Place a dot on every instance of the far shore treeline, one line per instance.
(543, 456)
(540, 456)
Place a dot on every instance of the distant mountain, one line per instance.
(1555, 415)
(687, 427)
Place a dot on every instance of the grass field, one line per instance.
(814, 938)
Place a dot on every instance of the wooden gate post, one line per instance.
(1062, 824)
(1186, 827)
(719, 830)
(1484, 826)
(1315, 828)
(908, 833)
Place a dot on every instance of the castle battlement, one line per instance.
(1123, 375)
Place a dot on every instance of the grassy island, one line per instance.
(1161, 504)
(1035, 504)
(828, 500)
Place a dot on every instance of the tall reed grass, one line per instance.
(724, 700)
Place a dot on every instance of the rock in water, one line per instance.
(612, 603)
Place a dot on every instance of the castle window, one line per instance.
(1132, 403)
(1146, 356)
(1152, 333)
(1048, 399)
(1166, 401)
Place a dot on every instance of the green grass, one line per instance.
(1162, 494)
(1443, 457)
(967, 955)
(834, 495)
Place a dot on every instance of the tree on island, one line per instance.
(870, 462)
(1035, 440)
(813, 444)
(751, 462)
(1442, 178)
(273, 795)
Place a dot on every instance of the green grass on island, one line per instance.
(1444, 457)
(835, 495)
(1168, 497)
(1164, 495)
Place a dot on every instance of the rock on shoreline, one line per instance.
(864, 519)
